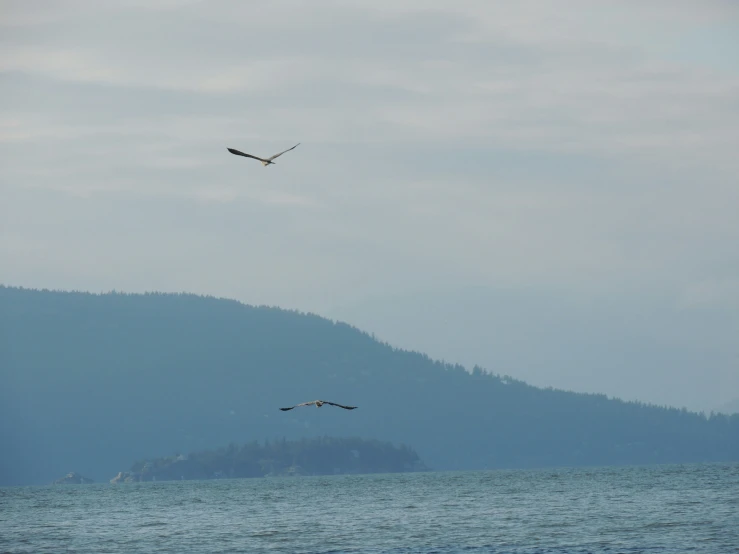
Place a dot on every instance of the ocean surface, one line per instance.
(671, 508)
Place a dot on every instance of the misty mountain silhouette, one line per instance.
(92, 382)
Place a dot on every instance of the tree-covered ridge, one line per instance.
(318, 456)
(91, 381)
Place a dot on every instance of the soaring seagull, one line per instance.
(265, 161)
(318, 404)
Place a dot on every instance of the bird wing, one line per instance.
(281, 153)
(340, 406)
(298, 405)
(238, 153)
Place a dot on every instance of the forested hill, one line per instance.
(90, 382)
(318, 456)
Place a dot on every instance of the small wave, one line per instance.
(153, 524)
(265, 533)
(663, 524)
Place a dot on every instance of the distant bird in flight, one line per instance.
(318, 404)
(265, 161)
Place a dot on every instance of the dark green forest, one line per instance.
(318, 456)
(89, 382)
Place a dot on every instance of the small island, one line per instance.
(319, 456)
(73, 478)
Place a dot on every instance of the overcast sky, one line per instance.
(549, 189)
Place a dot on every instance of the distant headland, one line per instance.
(319, 456)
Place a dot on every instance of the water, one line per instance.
(691, 508)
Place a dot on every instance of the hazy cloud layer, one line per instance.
(576, 157)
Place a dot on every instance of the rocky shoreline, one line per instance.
(73, 478)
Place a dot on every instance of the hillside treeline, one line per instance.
(317, 456)
(89, 382)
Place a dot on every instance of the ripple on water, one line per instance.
(649, 510)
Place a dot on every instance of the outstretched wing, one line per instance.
(238, 153)
(281, 153)
(298, 405)
(340, 406)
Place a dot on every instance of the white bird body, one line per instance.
(265, 161)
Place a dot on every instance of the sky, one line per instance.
(547, 189)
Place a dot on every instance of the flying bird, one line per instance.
(318, 404)
(265, 161)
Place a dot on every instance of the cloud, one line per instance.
(713, 293)
(543, 78)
